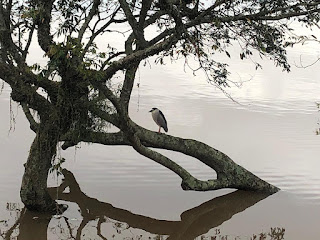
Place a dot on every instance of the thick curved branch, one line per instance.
(22, 92)
(43, 22)
(229, 174)
(93, 137)
(159, 158)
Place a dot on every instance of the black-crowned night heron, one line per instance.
(159, 118)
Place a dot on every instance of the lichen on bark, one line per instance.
(73, 95)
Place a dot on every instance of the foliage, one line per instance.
(57, 166)
(73, 95)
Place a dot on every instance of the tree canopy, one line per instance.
(72, 94)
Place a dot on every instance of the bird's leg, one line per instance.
(159, 129)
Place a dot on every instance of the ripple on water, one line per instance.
(302, 185)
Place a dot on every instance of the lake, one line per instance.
(114, 193)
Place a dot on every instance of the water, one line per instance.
(270, 130)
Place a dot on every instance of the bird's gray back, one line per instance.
(163, 121)
(160, 119)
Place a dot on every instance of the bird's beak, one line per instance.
(150, 110)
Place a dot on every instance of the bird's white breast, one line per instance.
(155, 115)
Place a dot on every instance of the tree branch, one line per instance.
(228, 172)
(137, 31)
(43, 21)
(26, 49)
(146, 4)
(188, 181)
(111, 118)
(34, 126)
(71, 138)
(159, 158)
(95, 34)
(8, 48)
(85, 25)
(128, 85)
(106, 92)
(204, 17)
(139, 55)
(22, 92)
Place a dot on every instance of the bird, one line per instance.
(159, 118)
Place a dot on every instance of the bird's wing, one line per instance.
(163, 117)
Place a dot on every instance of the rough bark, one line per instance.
(33, 192)
(229, 174)
(71, 104)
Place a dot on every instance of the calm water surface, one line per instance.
(114, 193)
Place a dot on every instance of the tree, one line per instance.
(72, 96)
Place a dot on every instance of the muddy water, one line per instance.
(113, 193)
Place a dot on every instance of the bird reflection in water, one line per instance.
(96, 214)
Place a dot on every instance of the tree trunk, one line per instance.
(34, 193)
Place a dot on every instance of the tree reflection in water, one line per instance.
(97, 215)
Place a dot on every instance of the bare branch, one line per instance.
(139, 55)
(92, 12)
(107, 61)
(137, 31)
(101, 30)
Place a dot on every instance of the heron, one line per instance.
(159, 118)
